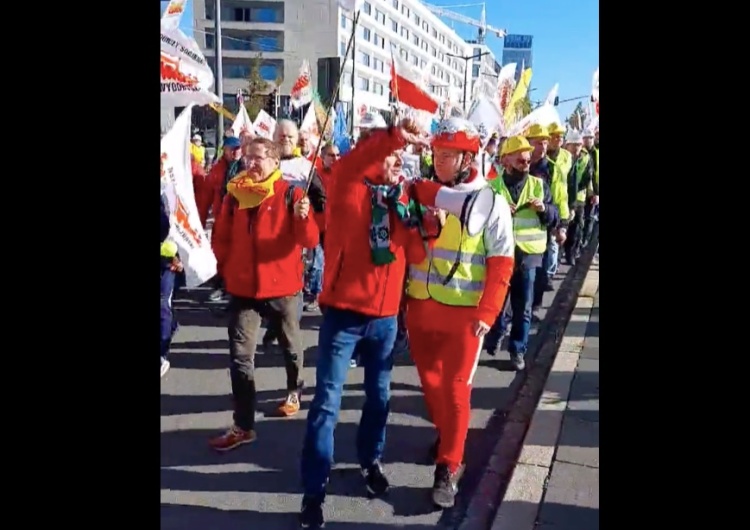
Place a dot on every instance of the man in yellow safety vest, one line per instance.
(533, 212)
(454, 295)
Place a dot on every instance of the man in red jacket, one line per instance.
(258, 239)
(368, 245)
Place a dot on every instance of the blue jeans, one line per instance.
(169, 285)
(516, 312)
(340, 332)
(552, 258)
(314, 272)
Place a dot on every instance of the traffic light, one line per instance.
(269, 104)
(557, 100)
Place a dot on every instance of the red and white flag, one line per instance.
(301, 93)
(408, 88)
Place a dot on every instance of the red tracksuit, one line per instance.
(443, 344)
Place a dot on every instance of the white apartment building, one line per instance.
(287, 32)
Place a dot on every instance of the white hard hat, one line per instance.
(372, 120)
(573, 137)
(588, 133)
(197, 137)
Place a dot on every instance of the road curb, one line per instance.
(525, 491)
(526, 481)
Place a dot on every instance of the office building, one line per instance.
(290, 31)
(484, 69)
(517, 49)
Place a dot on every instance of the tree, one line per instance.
(574, 121)
(523, 107)
(257, 88)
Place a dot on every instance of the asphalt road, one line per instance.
(256, 487)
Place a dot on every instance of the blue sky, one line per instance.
(186, 23)
(566, 40)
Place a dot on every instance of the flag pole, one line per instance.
(334, 98)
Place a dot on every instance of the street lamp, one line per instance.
(467, 58)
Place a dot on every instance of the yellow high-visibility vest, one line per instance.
(465, 287)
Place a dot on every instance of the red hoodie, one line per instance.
(350, 280)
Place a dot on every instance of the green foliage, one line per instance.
(257, 88)
(524, 107)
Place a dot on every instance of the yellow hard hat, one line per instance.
(537, 131)
(555, 128)
(515, 144)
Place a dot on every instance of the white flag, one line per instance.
(173, 14)
(186, 229)
(552, 95)
(185, 75)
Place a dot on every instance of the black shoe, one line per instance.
(376, 482)
(445, 487)
(311, 515)
(433, 451)
(517, 361)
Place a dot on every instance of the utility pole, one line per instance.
(467, 58)
(219, 71)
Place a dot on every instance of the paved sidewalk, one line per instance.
(555, 484)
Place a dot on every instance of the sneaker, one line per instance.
(445, 487)
(517, 361)
(311, 515)
(164, 366)
(234, 437)
(375, 480)
(290, 406)
(312, 306)
(353, 362)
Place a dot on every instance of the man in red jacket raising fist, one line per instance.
(368, 244)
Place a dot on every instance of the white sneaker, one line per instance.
(164, 366)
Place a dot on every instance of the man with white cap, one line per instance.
(454, 295)
(579, 178)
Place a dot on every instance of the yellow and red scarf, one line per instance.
(250, 194)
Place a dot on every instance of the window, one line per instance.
(367, 8)
(346, 79)
(380, 16)
(433, 70)
(415, 38)
(342, 48)
(415, 60)
(269, 72)
(403, 53)
(266, 14)
(405, 10)
(422, 63)
(426, 27)
(363, 83)
(477, 51)
(344, 21)
(365, 33)
(394, 26)
(475, 70)
(363, 58)
(378, 88)
(377, 64)
(404, 32)
(424, 45)
(441, 57)
(379, 41)
(417, 20)
(434, 33)
(442, 39)
(394, 3)
(433, 51)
